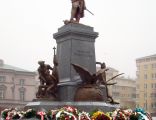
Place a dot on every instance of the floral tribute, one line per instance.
(72, 113)
(100, 115)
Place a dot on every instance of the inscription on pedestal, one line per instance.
(82, 53)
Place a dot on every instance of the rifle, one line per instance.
(89, 11)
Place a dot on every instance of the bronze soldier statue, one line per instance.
(102, 79)
(48, 79)
(43, 70)
(77, 11)
(45, 79)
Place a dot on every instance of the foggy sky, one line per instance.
(127, 30)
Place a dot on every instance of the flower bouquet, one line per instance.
(72, 113)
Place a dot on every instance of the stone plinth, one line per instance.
(66, 91)
(86, 106)
(75, 44)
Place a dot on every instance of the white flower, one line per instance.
(21, 115)
(29, 110)
(70, 114)
(84, 114)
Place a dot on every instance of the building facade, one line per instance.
(17, 86)
(146, 83)
(124, 92)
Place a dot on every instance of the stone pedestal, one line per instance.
(85, 106)
(75, 44)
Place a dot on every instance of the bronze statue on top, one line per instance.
(77, 11)
(48, 79)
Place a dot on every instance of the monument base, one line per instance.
(84, 106)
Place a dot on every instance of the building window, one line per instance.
(22, 81)
(13, 80)
(134, 90)
(152, 85)
(145, 106)
(145, 76)
(138, 68)
(154, 66)
(145, 67)
(153, 95)
(116, 94)
(145, 86)
(2, 91)
(133, 95)
(153, 105)
(2, 78)
(145, 95)
(1, 94)
(148, 59)
(22, 95)
(153, 76)
(22, 91)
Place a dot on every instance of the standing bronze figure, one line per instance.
(48, 82)
(102, 80)
(43, 71)
(77, 11)
(48, 79)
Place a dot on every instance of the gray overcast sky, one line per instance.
(127, 30)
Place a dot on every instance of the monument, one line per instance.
(73, 80)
